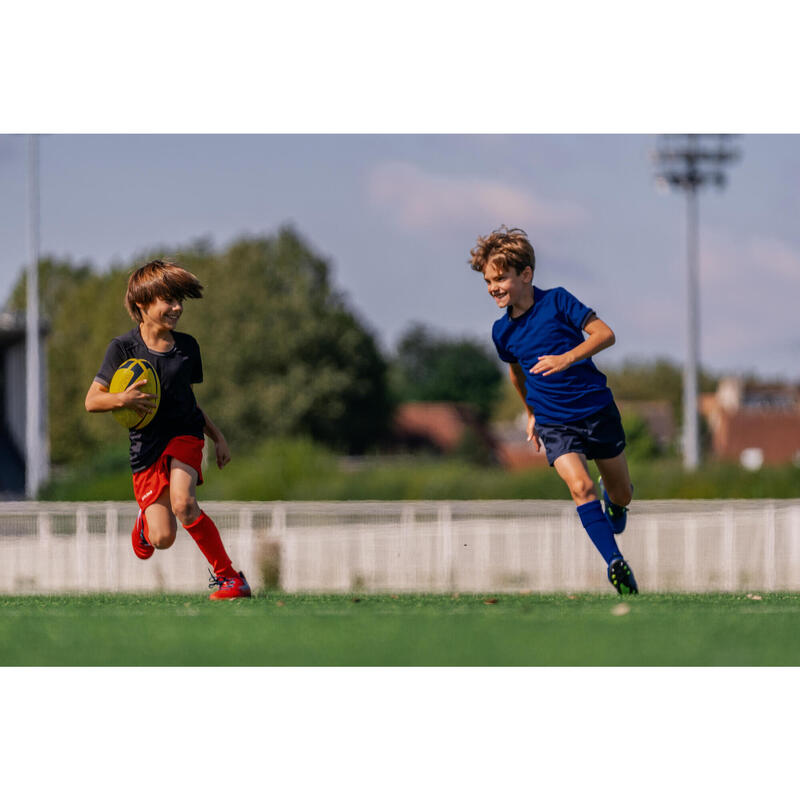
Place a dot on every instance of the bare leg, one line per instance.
(182, 492)
(182, 488)
(161, 525)
(575, 473)
(616, 478)
(573, 470)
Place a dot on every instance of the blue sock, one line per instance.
(599, 530)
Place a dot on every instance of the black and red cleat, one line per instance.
(141, 546)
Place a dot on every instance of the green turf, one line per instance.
(296, 630)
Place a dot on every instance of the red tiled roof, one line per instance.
(776, 433)
(442, 425)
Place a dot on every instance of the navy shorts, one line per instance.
(597, 436)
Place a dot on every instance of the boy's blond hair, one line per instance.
(506, 248)
(163, 280)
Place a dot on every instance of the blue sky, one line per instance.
(397, 214)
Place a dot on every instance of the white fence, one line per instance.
(476, 546)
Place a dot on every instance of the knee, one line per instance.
(582, 490)
(622, 496)
(185, 508)
(626, 497)
(162, 539)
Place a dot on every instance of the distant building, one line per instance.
(439, 427)
(13, 404)
(446, 428)
(514, 451)
(443, 427)
(753, 423)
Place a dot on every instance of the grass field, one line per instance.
(407, 630)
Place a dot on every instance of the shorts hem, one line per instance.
(149, 484)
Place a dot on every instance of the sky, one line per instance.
(396, 216)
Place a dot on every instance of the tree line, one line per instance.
(283, 353)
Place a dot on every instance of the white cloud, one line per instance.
(727, 257)
(779, 259)
(419, 200)
(749, 289)
(749, 285)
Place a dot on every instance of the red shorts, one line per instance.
(151, 482)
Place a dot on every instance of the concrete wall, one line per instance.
(493, 546)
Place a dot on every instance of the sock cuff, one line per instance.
(590, 511)
(197, 522)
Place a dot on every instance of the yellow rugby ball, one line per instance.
(131, 371)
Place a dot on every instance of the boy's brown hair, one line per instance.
(506, 248)
(159, 280)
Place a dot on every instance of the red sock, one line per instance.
(206, 536)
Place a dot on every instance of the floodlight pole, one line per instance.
(34, 450)
(691, 428)
(692, 152)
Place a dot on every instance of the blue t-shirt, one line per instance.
(552, 326)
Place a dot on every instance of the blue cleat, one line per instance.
(617, 516)
(621, 577)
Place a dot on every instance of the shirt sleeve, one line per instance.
(197, 365)
(115, 355)
(573, 310)
(504, 354)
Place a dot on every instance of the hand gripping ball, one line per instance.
(131, 371)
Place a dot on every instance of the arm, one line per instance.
(98, 398)
(220, 445)
(600, 337)
(518, 380)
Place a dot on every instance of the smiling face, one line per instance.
(162, 313)
(508, 287)
(157, 285)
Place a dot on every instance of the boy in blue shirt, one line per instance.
(570, 409)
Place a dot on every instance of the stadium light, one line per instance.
(689, 162)
(35, 454)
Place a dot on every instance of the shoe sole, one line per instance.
(138, 554)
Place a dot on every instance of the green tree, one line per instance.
(84, 311)
(432, 368)
(641, 444)
(285, 355)
(282, 352)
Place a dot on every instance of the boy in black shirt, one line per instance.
(167, 453)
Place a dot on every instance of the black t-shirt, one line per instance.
(178, 413)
